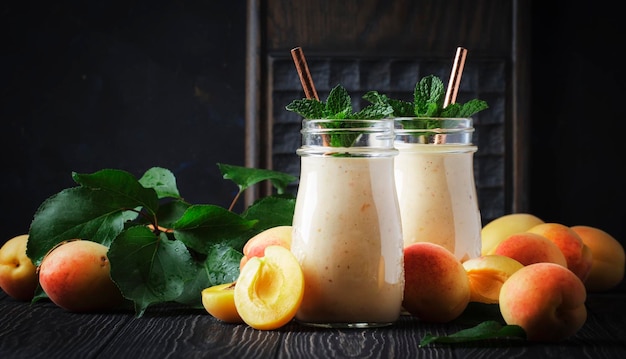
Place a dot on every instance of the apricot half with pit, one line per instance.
(269, 289)
(487, 274)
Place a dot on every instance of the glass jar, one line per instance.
(435, 183)
(347, 231)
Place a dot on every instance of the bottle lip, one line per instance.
(346, 152)
(322, 124)
(434, 130)
(433, 124)
(352, 133)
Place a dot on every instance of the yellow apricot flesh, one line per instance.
(219, 301)
(487, 274)
(269, 289)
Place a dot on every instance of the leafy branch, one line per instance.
(161, 247)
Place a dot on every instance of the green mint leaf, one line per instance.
(428, 96)
(245, 177)
(149, 269)
(81, 212)
(373, 112)
(472, 106)
(402, 108)
(162, 181)
(339, 103)
(485, 330)
(340, 138)
(376, 98)
(451, 111)
(308, 108)
(399, 108)
(202, 226)
(432, 110)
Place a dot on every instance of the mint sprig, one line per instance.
(428, 98)
(338, 106)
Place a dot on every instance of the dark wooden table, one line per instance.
(43, 330)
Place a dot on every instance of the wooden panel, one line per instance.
(417, 28)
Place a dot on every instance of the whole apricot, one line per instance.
(607, 266)
(577, 254)
(255, 246)
(18, 274)
(502, 227)
(436, 287)
(528, 248)
(76, 276)
(546, 299)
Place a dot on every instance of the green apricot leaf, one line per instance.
(271, 211)
(185, 249)
(121, 185)
(162, 181)
(245, 177)
(486, 330)
(220, 266)
(202, 226)
(148, 268)
(79, 212)
(171, 212)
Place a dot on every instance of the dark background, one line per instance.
(578, 126)
(87, 85)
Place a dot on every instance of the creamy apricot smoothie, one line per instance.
(437, 196)
(347, 237)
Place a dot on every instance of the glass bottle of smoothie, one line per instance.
(435, 183)
(347, 232)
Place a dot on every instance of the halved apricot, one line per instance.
(269, 289)
(487, 274)
(219, 301)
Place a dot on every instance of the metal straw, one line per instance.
(304, 74)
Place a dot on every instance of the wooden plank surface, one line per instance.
(44, 331)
